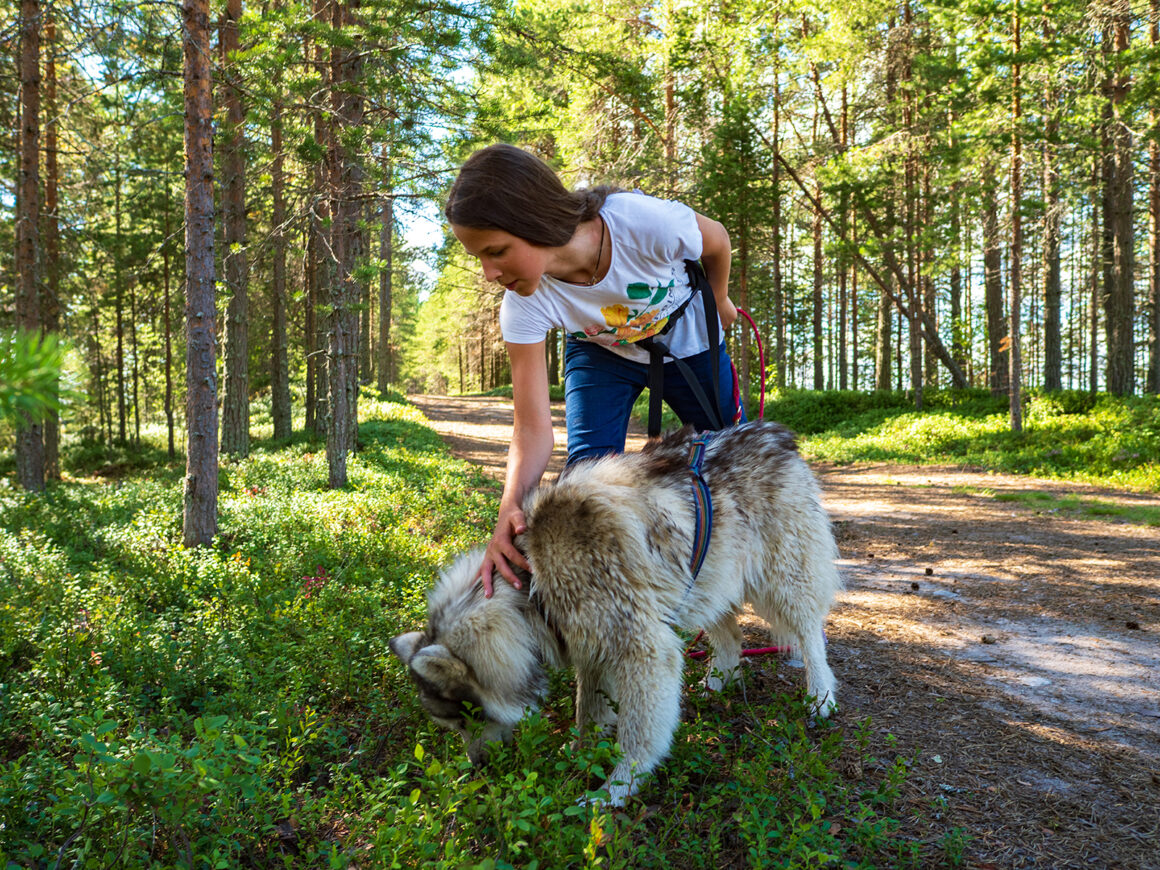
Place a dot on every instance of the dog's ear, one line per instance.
(438, 666)
(406, 645)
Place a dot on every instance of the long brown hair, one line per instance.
(505, 188)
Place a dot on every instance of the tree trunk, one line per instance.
(1015, 379)
(365, 316)
(346, 108)
(843, 262)
(818, 313)
(319, 290)
(1052, 281)
(1119, 301)
(119, 303)
(136, 364)
(958, 325)
(236, 401)
(998, 368)
(1154, 214)
(280, 409)
(778, 291)
(201, 469)
(386, 288)
(50, 300)
(30, 432)
(165, 277)
(1096, 275)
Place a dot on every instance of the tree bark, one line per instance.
(167, 314)
(1015, 378)
(1096, 275)
(29, 431)
(201, 469)
(999, 367)
(1154, 214)
(818, 313)
(346, 108)
(1119, 301)
(318, 254)
(1052, 281)
(236, 401)
(50, 298)
(958, 325)
(778, 291)
(843, 262)
(119, 303)
(386, 277)
(280, 409)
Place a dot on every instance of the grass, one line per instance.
(237, 705)
(1074, 505)
(1101, 440)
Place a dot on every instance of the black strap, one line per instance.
(658, 349)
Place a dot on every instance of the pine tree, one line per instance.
(201, 469)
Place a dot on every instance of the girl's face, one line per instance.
(506, 259)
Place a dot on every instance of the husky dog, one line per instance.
(611, 545)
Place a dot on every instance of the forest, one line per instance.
(223, 266)
(919, 196)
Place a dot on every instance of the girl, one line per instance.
(608, 267)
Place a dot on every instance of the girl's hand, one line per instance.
(502, 552)
(727, 311)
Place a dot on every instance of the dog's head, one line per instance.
(476, 662)
(447, 690)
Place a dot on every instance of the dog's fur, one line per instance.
(610, 545)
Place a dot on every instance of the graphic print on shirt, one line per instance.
(624, 324)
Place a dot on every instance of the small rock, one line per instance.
(930, 572)
(1132, 624)
(914, 586)
(987, 638)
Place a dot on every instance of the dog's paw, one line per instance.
(823, 709)
(716, 681)
(609, 797)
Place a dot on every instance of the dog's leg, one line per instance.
(648, 690)
(820, 682)
(725, 638)
(801, 624)
(594, 701)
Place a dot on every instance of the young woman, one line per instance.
(608, 267)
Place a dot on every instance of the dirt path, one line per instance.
(1014, 654)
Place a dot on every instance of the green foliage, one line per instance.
(30, 367)
(1110, 440)
(238, 706)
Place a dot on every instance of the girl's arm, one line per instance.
(528, 456)
(716, 255)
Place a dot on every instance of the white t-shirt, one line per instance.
(646, 281)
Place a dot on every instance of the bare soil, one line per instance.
(1012, 653)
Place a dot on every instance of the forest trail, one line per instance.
(1013, 653)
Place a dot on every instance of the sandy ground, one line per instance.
(1014, 653)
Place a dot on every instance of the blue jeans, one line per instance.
(600, 388)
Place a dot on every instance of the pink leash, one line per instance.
(757, 651)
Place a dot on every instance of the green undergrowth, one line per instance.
(237, 705)
(1105, 440)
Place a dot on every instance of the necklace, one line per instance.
(599, 253)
